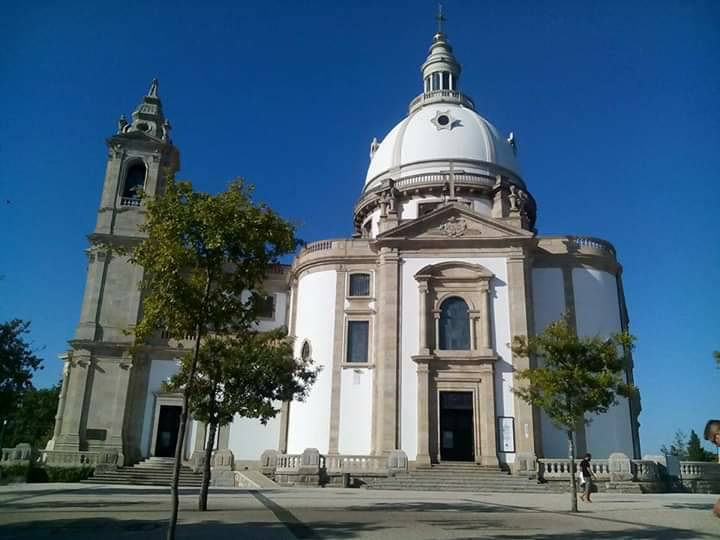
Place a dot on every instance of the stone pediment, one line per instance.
(455, 222)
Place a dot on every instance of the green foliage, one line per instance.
(244, 374)
(695, 451)
(678, 447)
(40, 475)
(579, 375)
(17, 363)
(716, 356)
(202, 251)
(14, 473)
(68, 474)
(34, 419)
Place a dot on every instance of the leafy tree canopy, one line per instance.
(246, 375)
(34, 420)
(17, 363)
(202, 251)
(578, 375)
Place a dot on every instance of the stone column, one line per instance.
(424, 292)
(284, 424)
(97, 259)
(80, 365)
(525, 440)
(485, 345)
(423, 412)
(569, 291)
(337, 361)
(223, 458)
(488, 443)
(386, 354)
(61, 403)
(122, 378)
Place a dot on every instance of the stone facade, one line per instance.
(444, 215)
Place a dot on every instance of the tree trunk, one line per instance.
(174, 498)
(202, 501)
(573, 478)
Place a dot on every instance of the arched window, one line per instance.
(134, 181)
(454, 325)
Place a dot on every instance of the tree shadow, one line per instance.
(420, 506)
(92, 528)
(634, 533)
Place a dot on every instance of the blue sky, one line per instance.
(614, 105)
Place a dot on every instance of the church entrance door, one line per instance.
(167, 430)
(456, 426)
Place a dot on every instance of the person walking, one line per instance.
(587, 477)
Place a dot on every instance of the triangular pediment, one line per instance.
(454, 222)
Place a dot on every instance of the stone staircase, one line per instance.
(154, 471)
(459, 476)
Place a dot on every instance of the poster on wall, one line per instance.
(506, 433)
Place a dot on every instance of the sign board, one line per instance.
(506, 434)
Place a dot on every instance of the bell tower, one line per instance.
(97, 374)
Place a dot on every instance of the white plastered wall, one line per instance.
(309, 425)
(504, 403)
(160, 371)
(549, 306)
(597, 313)
(249, 438)
(355, 411)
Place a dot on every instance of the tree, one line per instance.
(678, 447)
(579, 376)
(246, 375)
(34, 420)
(695, 451)
(17, 364)
(201, 252)
(716, 356)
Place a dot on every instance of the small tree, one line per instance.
(201, 252)
(35, 417)
(17, 364)
(695, 451)
(716, 356)
(678, 447)
(579, 376)
(242, 375)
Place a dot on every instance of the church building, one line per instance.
(412, 318)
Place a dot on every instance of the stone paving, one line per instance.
(80, 512)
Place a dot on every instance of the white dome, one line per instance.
(420, 144)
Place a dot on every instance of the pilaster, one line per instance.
(423, 410)
(69, 436)
(338, 359)
(386, 356)
(518, 269)
(117, 420)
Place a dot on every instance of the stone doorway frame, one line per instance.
(172, 399)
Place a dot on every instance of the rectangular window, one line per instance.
(266, 307)
(359, 284)
(357, 341)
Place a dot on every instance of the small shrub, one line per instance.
(68, 474)
(14, 473)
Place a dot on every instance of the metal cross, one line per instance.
(440, 18)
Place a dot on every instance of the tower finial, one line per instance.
(440, 18)
(153, 88)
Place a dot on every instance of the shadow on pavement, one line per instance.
(90, 528)
(636, 533)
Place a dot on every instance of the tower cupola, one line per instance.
(148, 117)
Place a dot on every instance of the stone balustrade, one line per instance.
(22, 454)
(559, 469)
(694, 470)
(356, 464)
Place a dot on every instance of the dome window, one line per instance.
(443, 120)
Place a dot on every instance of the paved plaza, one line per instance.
(86, 511)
